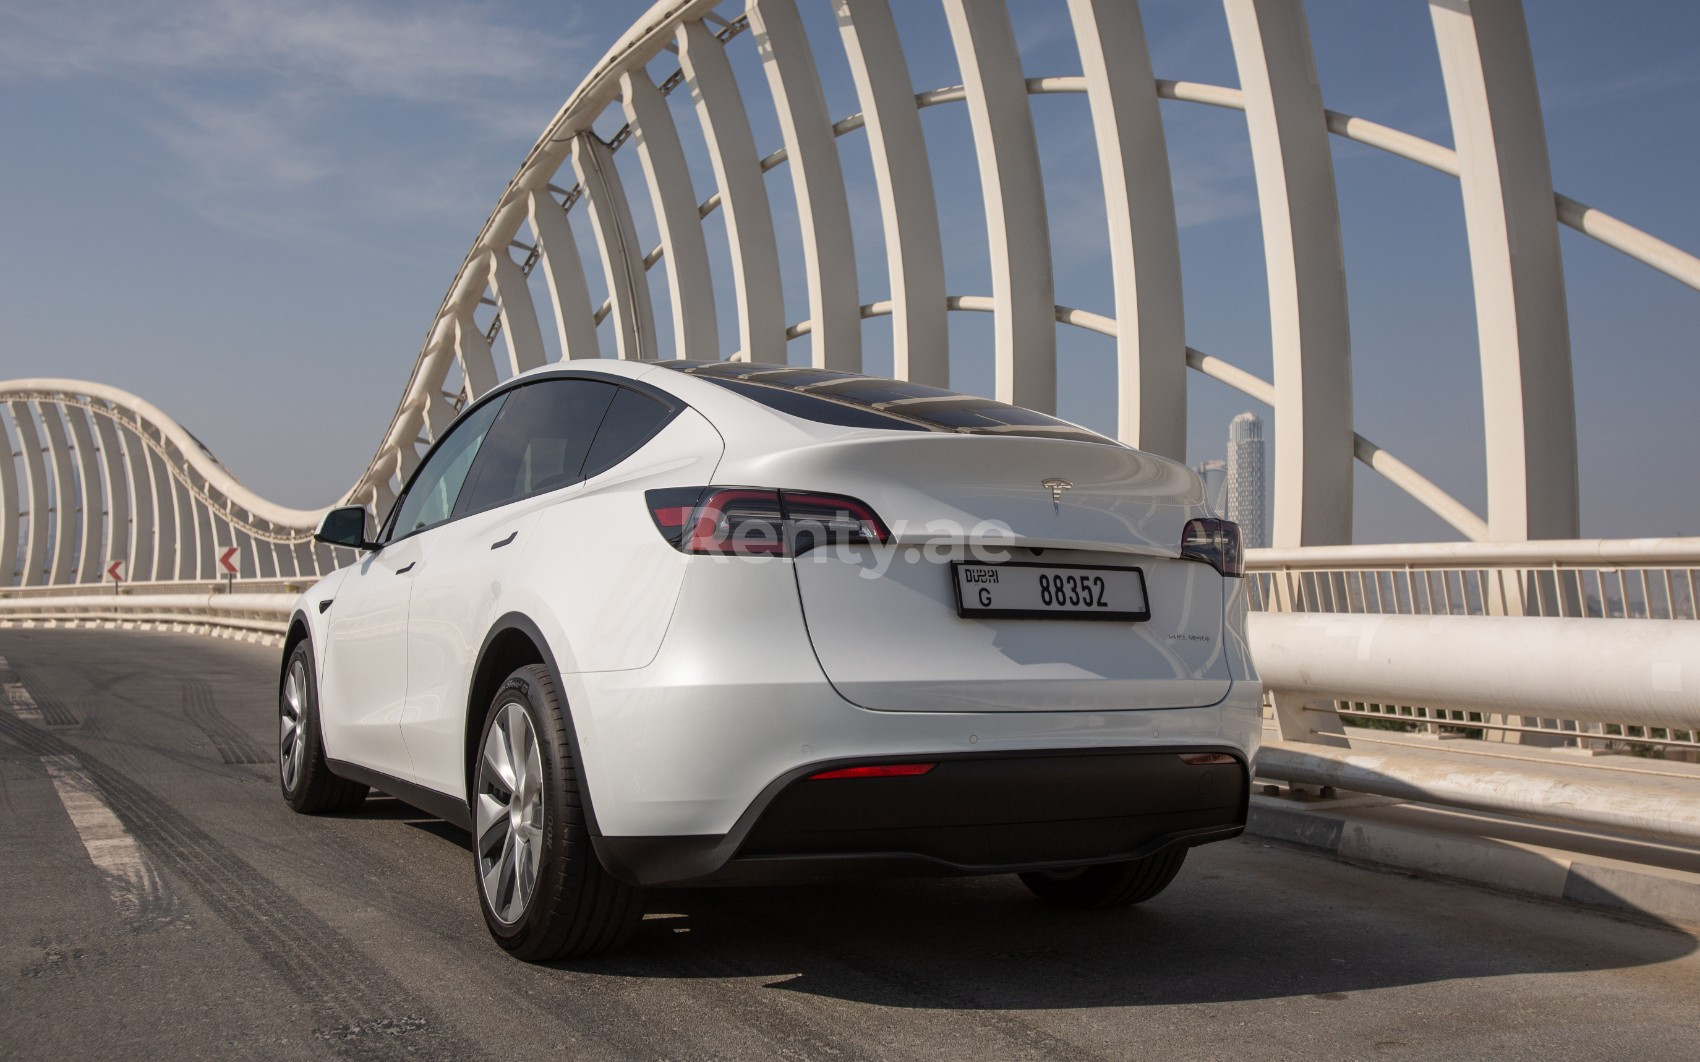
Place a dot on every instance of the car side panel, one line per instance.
(455, 594)
(363, 660)
(597, 563)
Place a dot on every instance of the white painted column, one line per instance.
(201, 560)
(823, 208)
(575, 321)
(35, 486)
(1528, 394)
(1307, 276)
(904, 178)
(9, 574)
(472, 351)
(518, 313)
(169, 542)
(65, 502)
(1139, 202)
(144, 536)
(120, 535)
(743, 195)
(92, 495)
(439, 414)
(616, 240)
(184, 536)
(684, 253)
(1025, 337)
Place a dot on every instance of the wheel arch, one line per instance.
(299, 632)
(513, 642)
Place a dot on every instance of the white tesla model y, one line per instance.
(644, 624)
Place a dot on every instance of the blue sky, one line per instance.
(247, 211)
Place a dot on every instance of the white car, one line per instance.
(640, 624)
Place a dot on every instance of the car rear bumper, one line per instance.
(973, 813)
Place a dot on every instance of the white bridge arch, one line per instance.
(97, 474)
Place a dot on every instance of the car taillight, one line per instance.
(1216, 543)
(751, 521)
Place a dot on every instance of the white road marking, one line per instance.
(19, 700)
(131, 878)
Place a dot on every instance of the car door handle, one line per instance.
(406, 568)
(505, 541)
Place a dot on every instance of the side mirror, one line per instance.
(345, 527)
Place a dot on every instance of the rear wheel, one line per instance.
(1108, 884)
(308, 784)
(544, 892)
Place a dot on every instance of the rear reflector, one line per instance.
(1206, 757)
(881, 770)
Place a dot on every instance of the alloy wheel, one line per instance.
(292, 737)
(510, 813)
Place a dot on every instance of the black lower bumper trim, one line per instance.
(971, 814)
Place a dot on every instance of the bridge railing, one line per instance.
(1607, 582)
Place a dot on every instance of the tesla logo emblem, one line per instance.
(1056, 485)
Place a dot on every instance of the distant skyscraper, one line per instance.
(1246, 497)
(1215, 476)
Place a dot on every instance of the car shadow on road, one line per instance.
(1243, 922)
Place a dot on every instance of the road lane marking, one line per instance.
(19, 700)
(131, 878)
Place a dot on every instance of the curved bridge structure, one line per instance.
(99, 475)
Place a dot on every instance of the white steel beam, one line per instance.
(1139, 201)
(35, 485)
(519, 315)
(91, 494)
(1528, 394)
(904, 178)
(1017, 230)
(63, 564)
(1307, 274)
(472, 352)
(743, 194)
(144, 537)
(118, 539)
(575, 322)
(823, 208)
(684, 252)
(616, 240)
(9, 544)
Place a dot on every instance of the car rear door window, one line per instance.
(632, 420)
(539, 442)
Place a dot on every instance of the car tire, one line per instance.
(1107, 885)
(306, 780)
(544, 892)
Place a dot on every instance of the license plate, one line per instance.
(1050, 591)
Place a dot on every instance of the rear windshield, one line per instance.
(829, 396)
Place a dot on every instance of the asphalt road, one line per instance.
(157, 899)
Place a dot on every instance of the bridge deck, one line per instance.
(161, 901)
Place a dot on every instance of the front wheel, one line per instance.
(1108, 884)
(308, 784)
(544, 892)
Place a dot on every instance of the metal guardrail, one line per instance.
(1590, 580)
(262, 616)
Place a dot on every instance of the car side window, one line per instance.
(539, 442)
(431, 498)
(632, 420)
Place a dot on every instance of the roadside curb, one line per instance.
(1413, 838)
